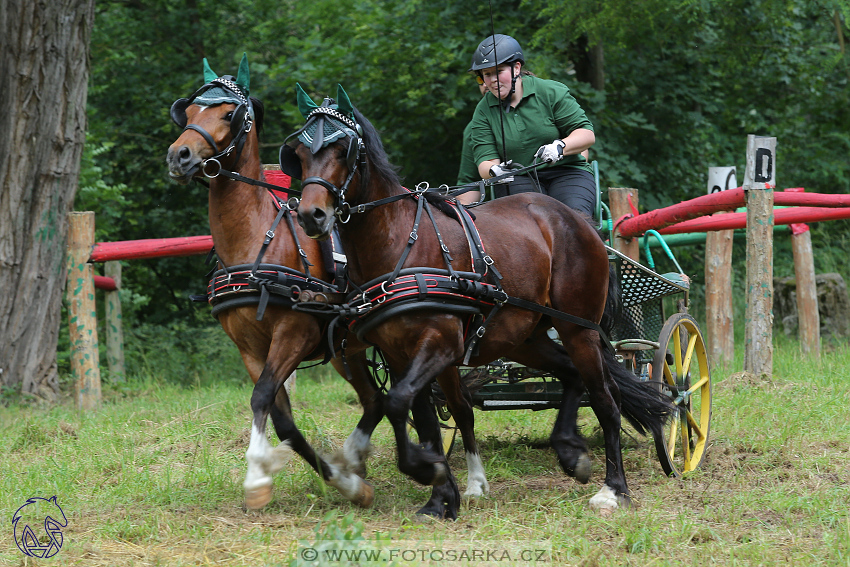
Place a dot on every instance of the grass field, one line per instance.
(154, 478)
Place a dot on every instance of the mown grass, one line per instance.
(154, 478)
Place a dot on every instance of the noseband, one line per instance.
(240, 125)
(291, 164)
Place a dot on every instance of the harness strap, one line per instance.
(269, 236)
(414, 235)
(304, 261)
(204, 134)
(531, 306)
(257, 182)
(475, 240)
(443, 248)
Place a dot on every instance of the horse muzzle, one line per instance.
(182, 163)
(316, 221)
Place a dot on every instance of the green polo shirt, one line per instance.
(546, 112)
(468, 172)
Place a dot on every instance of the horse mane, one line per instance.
(379, 163)
(259, 113)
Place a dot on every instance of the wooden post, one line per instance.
(618, 200)
(808, 317)
(114, 330)
(82, 315)
(718, 276)
(759, 182)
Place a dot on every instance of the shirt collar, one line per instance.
(528, 88)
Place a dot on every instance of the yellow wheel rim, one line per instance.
(681, 366)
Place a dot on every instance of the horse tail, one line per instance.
(643, 403)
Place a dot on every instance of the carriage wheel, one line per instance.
(680, 366)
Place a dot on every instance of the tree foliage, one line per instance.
(685, 83)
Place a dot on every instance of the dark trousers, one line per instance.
(574, 187)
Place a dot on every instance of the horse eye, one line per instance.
(228, 116)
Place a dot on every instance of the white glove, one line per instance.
(551, 152)
(503, 168)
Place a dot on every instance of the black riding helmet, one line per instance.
(500, 46)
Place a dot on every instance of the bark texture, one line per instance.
(45, 68)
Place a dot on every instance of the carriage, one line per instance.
(668, 351)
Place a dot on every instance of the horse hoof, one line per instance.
(605, 501)
(366, 496)
(257, 498)
(582, 470)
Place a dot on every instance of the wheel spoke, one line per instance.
(677, 350)
(671, 443)
(686, 446)
(694, 426)
(698, 385)
(690, 351)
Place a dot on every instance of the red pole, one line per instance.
(722, 201)
(739, 220)
(151, 248)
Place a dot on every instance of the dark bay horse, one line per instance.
(546, 254)
(223, 126)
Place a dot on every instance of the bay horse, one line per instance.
(550, 261)
(221, 124)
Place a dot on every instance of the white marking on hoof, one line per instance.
(476, 480)
(355, 451)
(351, 486)
(605, 501)
(263, 461)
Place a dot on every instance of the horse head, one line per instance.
(217, 120)
(327, 153)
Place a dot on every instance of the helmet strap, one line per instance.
(506, 104)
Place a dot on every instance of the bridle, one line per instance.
(355, 155)
(241, 123)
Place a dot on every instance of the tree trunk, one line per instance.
(589, 62)
(45, 69)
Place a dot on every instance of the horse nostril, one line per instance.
(184, 154)
(319, 216)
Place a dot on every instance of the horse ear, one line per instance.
(305, 103)
(343, 101)
(209, 74)
(242, 76)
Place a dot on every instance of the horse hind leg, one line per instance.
(585, 350)
(568, 444)
(459, 402)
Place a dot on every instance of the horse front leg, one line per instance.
(270, 399)
(445, 497)
(432, 354)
